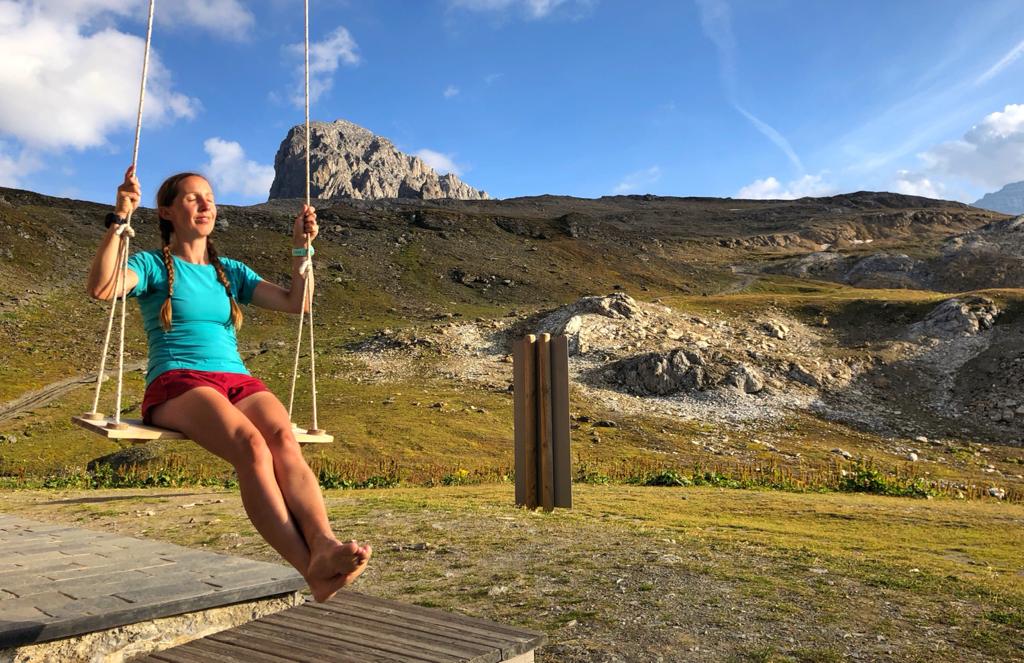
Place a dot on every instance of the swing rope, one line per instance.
(306, 269)
(124, 232)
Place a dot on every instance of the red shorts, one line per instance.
(234, 386)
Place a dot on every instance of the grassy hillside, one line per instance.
(413, 266)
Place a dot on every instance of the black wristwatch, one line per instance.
(113, 218)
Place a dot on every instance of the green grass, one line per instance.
(714, 563)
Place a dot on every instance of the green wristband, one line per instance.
(303, 252)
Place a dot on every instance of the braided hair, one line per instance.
(165, 198)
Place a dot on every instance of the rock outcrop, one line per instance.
(348, 161)
(960, 316)
(1008, 200)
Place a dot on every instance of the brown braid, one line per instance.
(166, 312)
(236, 310)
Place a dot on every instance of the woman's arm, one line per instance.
(274, 297)
(104, 270)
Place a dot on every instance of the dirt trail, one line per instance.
(51, 392)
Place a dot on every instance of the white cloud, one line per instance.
(1003, 63)
(771, 189)
(442, 163)
(533, 9)
(490, 79)
(324, 57)
(636, 181)
(231, 172)
(66, 87)
(990, 154)
(918, 184)
(227, 18)
(14, 168)
(451, 91)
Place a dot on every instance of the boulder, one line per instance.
(960, 316)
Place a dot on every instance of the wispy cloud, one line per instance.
(439, 161)
(716, 22)
(14, 168)
(324, 58)
(450, 91)
(774, 136)
(636, 181)
(531, 9)
(1003, 63)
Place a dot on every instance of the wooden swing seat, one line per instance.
(137, 432)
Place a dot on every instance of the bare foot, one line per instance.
(335, 566)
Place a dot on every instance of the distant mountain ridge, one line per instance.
(1008, 200)
(349, 161)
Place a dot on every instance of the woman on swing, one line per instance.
(196, 382)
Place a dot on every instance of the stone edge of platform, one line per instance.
(130, 641)
(16, 635)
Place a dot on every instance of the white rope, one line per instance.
(106, 339)
(295, 366)
(125, 233)
(306, 270)
(122, 277)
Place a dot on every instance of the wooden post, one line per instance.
(546, 469)
(524, 385)
(560, 421)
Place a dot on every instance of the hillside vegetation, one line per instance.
(417, 303)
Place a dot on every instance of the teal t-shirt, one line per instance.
(202, 337)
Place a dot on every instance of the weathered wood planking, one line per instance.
(57, 582)
(545, 457)
(525, 396)
(562, 456)
(139, 432)
(354, 627)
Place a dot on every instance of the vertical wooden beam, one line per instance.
(560, 421)
(524, 386)
(545, 456)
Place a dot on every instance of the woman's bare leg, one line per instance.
(332, 564)
(208, 418)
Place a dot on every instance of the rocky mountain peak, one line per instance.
(350, 161)
(1008, 200)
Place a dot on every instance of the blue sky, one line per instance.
(742, 98)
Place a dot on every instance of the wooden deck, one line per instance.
(58, 581)
(354, 627)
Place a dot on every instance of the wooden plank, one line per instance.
(399, 632)
(545, 469)
(452, 634)
(281, 644)
(431, 618)
(524, 397)
(300, 621)
(561, 455)
(136, 430)
(175, 655)
(528, 461)
(140, 432)
(530, 639)
(316, 642)
(227, 653)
